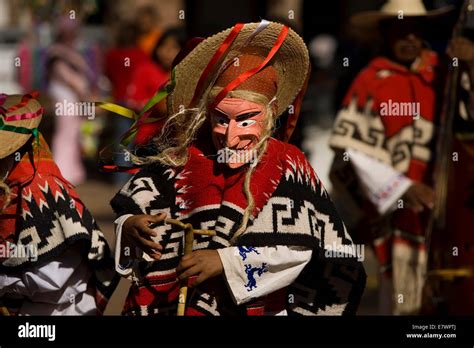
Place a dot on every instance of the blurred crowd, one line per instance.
(123, 52)
(124, 61)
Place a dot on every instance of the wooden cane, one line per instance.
(451, 273)
(189, 233)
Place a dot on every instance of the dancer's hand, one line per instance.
(203, 263)
(136, 231)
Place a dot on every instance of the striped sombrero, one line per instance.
(20, 117)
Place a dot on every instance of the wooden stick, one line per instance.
(450, 274)
(189, 233)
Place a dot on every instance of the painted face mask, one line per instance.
(237, 126)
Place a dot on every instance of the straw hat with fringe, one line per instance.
(291, 63)
(395, 9)
(11, 140)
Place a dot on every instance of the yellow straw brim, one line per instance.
(291, 63)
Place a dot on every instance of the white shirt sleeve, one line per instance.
(56, 288)
(255, 272)
(123, 265)
(382, 183)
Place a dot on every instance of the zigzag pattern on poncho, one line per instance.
(46, 214)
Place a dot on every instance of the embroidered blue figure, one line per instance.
(243, 251)
(252, 282)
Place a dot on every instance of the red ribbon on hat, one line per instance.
(24, 101)
(244, 76)
(119, 169)
(215, 58)
(21, 117)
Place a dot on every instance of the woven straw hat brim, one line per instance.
(11, 141)
(291, 63)
(371, 19)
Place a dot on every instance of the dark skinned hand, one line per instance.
(419, 196)
(136, 231)
(203, 263)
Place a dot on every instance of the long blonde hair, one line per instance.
(180, 130)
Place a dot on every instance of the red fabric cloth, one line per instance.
(119, 73)
(146, 80)
(147, 131)
(227, 184)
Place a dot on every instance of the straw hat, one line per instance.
(395, 8)
(291, 63)
(11, 141)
